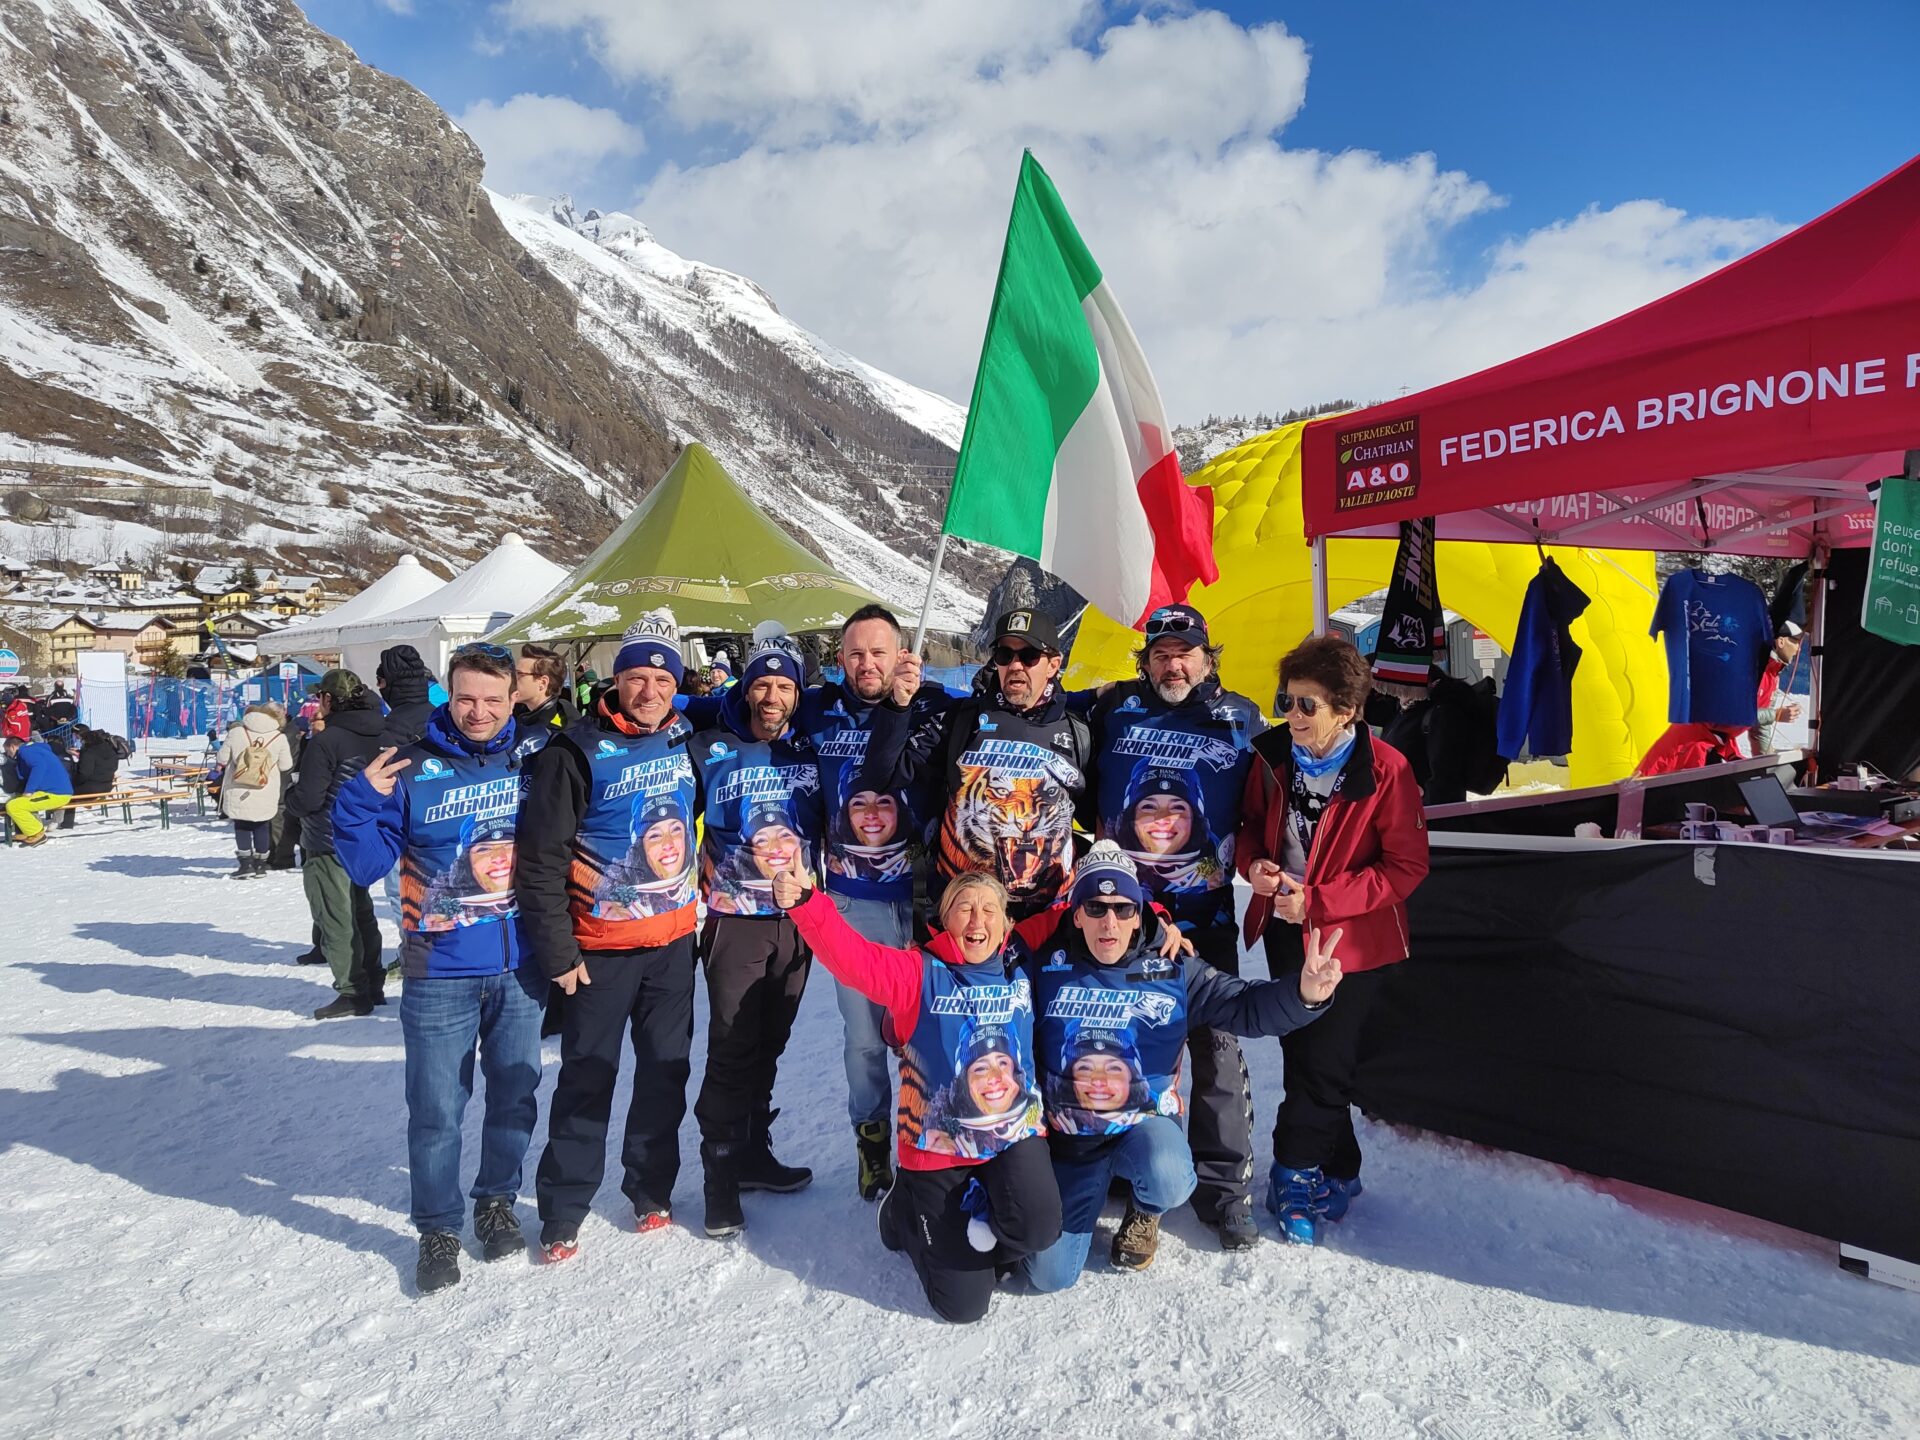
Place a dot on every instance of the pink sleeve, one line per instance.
(883, 974)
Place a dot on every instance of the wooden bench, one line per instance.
(122, 800)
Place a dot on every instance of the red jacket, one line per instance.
(1687, 746)
(1369, 850)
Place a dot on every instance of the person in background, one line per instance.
(1332, 834)
(428, 809)
(44, 785)
(408, 690)
(94, 764)
(286, 835)
(1775, 706)
(975, 1189)
(720, 674)
(253, 759)
(346, 933)
(540, 693)
(607, 887)
(585, 682)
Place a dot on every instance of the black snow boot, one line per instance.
(874, 1141)
(759, 1170)
(342, 1006)
(498, 1228)
(721, 1161)
(439, 1264)
(243, 865)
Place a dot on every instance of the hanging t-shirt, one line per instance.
(1718, 636)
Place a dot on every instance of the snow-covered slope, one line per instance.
(203, 1232)
(254, 299)
(846, 454)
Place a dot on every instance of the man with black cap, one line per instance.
(760, 784)
(606, 882)
(1173, 752)
(1010, 766)
(346, 933)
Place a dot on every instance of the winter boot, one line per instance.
(439, 1264)
(874, 1140)
(721, 1161)
(973, 1200)
(651, 1219)
(888, 1213)
(498, 1228)
(1136, 1241)
(759, 1170)
(243, 865)
(1291, 1197)
(1236, 1227)
(311, 957)
(1330, 1202)
(559, 1240)
(343, 1005)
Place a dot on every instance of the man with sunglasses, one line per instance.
(1174, 748)
(1112, 1007)
(1007, 770)
(431, 806)
(613, 800)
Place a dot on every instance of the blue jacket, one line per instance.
(37, 768)
(452, 823)
(753, 788)
(1536, 708)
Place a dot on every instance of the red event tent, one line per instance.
(1745, 414)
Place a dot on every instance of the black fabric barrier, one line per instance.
(1733, 1023)
(1870, 691)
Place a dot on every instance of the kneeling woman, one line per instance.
(1114, 1016)
(975, 1189)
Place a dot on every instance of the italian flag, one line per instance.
(1067, 455)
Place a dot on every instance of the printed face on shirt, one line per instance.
(775, 848)
(868, 652)
(492, 863)
(873, 816)
(994, 1083)
(665, 846)
(1163, 824)
(1101, 1082)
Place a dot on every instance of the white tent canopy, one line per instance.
(510, 578)
(405, 583)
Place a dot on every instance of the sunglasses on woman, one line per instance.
(1120, 909)
(1308, 706)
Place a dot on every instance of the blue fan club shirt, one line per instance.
(969, 1085)
(450, 823)
(1170, 778)
(1718, 635)
(871, 834)
(633, 856)
(763, 811)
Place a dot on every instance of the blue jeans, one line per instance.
(869, 1086)
(443, 1020)
(1152, 1157)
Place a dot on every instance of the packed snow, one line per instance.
(205, 1200)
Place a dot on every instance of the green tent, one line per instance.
(699, 547)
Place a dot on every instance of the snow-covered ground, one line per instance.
(203, 1232)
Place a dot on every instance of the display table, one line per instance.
(1737, 1023)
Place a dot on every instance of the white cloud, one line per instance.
(877, 148)
(398, 7)
(546, 144)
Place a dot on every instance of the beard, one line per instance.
(1174, 691)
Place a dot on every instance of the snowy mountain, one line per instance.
(254, 300)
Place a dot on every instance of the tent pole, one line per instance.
(926, 605)
(1817, 625)
(1322, 617)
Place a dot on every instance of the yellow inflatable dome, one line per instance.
(1262, 605)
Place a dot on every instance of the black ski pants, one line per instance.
(756, 970)
(1220, 1119)
(1023, 1204)
(646, 995)
(1314, 1124)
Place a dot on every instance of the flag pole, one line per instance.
(926, 605)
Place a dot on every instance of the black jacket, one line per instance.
(333, 757)
(95, 765)
(556, 714)
(405, 684)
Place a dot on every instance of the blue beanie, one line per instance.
(652, 640)
(1105, 873)
(774, 653)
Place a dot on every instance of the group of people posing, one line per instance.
(922, 846)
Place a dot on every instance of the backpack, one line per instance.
(253, 768)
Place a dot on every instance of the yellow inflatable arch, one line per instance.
(1262, 605)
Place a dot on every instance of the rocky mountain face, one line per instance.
(254, 298)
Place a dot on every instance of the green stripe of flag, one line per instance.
(1038, 370)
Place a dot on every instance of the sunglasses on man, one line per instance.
(1026, 657)
(481, 647)
(1305, 704)
(1100, 909)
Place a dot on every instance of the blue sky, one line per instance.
(1551, 128)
